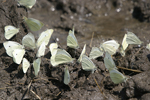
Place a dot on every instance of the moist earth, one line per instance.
(102, 18)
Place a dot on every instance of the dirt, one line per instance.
(108, 20)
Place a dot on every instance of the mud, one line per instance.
(108, 20)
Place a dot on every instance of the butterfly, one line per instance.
(148, 46)
(10, 31)
(66, 76)
(53, 48)
(109, 62)
(117, 77)
(71, 40)
(95, 53)
(61, 57)
(33, 24)
(124, 45)
(25, 65)
(87, 64)
(15, 50)
(27, 3)
(110, 46)
(133, 39)
(36, 65)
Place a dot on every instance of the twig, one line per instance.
(58, 94)
(26, 90)
(99, 88)
(5, 88)
(138, 71)
(36, 95)
(91, 39)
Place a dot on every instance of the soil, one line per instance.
(106, 19)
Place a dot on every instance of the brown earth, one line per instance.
(108, 20)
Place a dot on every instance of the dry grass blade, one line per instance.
(36, 95)
(5, 88)
(99, 88)
(58, 94)
(138, 71)
(91, 40)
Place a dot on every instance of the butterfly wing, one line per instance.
(18, 55)
(10, 46)
(87, 64)
(108, 61)
(44, 37)
(133, 39)
(110, 46)
(148, 46)
(10, 31)
(124, 42)
(53, 48)
(82, 53)
(36, 65)
(27, 3)
(25, 65)
(95, 53)
(66, 76)
(33, 24)
(29, 41)
(41, 50)
(116, 76)
(71, 40)
(61, 57)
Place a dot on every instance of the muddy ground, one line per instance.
(108, 19)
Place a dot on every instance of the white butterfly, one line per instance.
(61, 57)
(10, 31)
(18, 55)
(41, 50)
(33, 24)
(72, 41)
(87, 64)
(148, 46)
(95, 53)
(82, 53)
(124, 45)
(44, 37)
(133, 39)
(53, 48)
(10, 46)
(25, 65)
(15, 50)
(29, 41)
(36, 65)
(66, 76)
(27, 3)
(109, 62)
(117, 77)
(110, 46)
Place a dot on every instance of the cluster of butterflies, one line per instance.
(106, 49)
(61, 56)
(17, 51)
